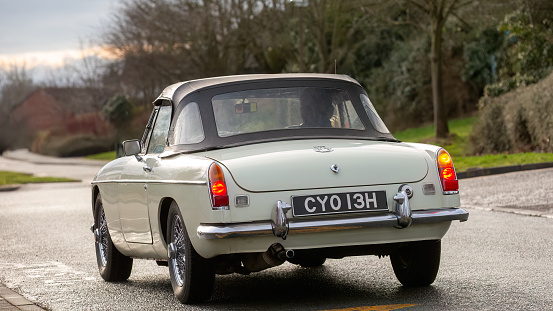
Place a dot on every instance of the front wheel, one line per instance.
(417, 263)
(192, 276)
(112, 265)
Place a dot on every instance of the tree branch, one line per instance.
(453, 7)
(420, 6)
(441, 7)
(406, 23)
(461, 20)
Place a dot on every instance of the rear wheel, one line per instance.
(192, 276)
(113, 266)
(417, 263)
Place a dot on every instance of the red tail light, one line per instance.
(446, 170)
(218, 187)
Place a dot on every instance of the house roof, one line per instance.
(76, 100)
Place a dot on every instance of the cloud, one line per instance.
(51, 58)
(44, 65)
(37, 25)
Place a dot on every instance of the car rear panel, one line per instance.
(265, 173)
(306, 164)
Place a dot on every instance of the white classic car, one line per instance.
(242, 173)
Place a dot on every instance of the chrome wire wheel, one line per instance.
(112, 265)
(192, 276)
(102, 238)
(178, 258)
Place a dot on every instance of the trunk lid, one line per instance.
(295, 165)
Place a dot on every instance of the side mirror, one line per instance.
(131, 147)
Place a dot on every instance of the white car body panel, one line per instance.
(269, 166)
(183, 179)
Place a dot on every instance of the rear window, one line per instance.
(284, 108)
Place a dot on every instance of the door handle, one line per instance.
(147, 169)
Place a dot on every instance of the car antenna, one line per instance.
(335, 66)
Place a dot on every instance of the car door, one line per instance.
(133, 205)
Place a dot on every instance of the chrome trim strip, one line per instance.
(145, 181)
(264, 228)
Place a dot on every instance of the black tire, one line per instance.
(192, 276)
(113, 266)
(417, 263)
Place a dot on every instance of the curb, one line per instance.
(23, 155)
(12, 301)
(9, 187)
(502, 170)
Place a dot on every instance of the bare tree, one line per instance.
(15, 84)
(164, 41)
(333, 29)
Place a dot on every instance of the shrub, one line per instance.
(526, 55)
(489, 134)
(520, 120)
(507, 85)
(72, 145)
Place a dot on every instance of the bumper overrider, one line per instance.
(280, 226)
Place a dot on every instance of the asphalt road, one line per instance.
(495, 261)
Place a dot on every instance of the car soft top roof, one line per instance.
(176, 92)
(202, 91)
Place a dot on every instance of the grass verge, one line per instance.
(493, 160)
(12, 178)
(458, 146)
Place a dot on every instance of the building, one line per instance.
(60, 111)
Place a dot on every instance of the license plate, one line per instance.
(364, 201)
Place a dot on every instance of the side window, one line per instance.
(158, 137)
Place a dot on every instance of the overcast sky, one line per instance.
(47, 29)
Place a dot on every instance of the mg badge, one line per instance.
(322, 149)
(335, 168)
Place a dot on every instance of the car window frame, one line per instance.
(148, 131)
(147, 137)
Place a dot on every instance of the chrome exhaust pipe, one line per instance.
(290, 253)
(274, 256)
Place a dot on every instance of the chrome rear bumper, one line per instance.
(266, 228)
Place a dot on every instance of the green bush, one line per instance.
(73, 145)
(119, 111)
(518, 121)
(507, 85)
(526, 54)
(477, 56)
(489, 134)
